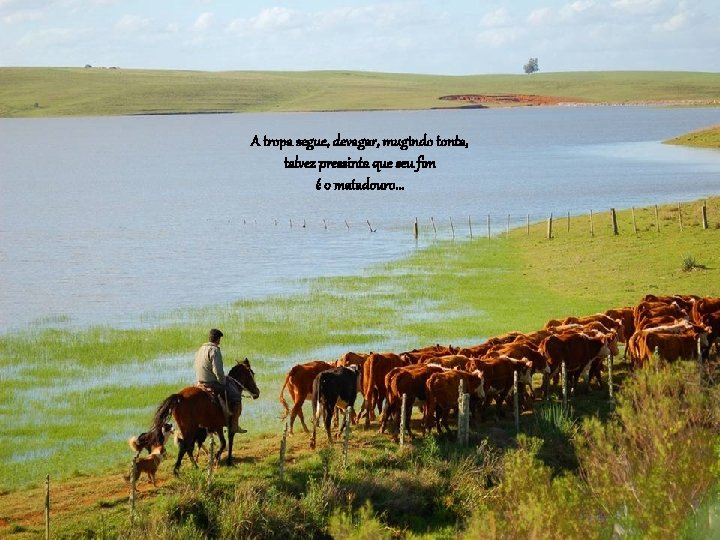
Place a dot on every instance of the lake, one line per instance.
(119, 221)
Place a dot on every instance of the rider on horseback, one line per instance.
(209, 374)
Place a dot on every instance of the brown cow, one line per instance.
(299, 381)
(670, 347)
(419, 356)
(627, 317)
(449, 361)
(443, 391)
(352, 359)
(408, 380)
(376, 367)
(498, 373)
(578, 351)
(705, 306)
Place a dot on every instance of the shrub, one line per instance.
(652, 463)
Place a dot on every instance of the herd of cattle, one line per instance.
(673, 327)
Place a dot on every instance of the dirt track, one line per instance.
(495, 100)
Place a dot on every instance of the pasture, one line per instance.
(71, 398)
(38, 92)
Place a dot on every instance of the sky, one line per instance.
(448, 37)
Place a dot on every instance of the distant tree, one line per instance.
(531, 66)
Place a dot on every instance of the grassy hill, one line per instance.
(97, 91)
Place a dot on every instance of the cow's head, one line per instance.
(358, 375)
(525, 372)
(480, 391)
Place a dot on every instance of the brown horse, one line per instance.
(193, 409)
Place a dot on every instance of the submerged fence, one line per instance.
(680, 216)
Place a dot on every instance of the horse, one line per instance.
(193, 409)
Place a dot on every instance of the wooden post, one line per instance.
(657, 219)
(592, 227)
(680, 217)
(133, 474)
(488, 226)
(463, 408)
(415, 229)
(568, 222)
(470, 227)
(403, 418)
(563, 377)
(432, 220)
(610, 377)
(47, 506)
(549, 227)
(452, 228)
(701, 366)
(527, 225)
(704, 216)
(507, 229)
(614, 221)
(283, 450)
(634, 222)
(516, 402)
(346, 440)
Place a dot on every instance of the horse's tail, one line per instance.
(282, 397)
(163, 411)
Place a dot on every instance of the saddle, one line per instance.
(217, 396)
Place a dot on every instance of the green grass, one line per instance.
(105, 382)
(37, 92)
(704, 138)
(71, 398)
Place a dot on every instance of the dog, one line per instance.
(148, 464)
(145, 441)
(202, 434)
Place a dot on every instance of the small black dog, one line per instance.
(149, 439)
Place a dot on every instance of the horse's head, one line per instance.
(243, 373)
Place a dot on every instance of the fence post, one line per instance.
(47, 507)
(563, 377)
(415, 229)
(657, 219)
(680, 217)
(592, 227)
(527, 225)
(704, 216)
(614, 222)
(634, 222)
(610, 377)
(403, 417)
(516, 402)
(701, 367)
(133, 474)
(488, 226)
(283, 450)
(432, 220)
(470, 227)
(463, 415)
(568, 222)
(507, 229)
(452, 228)
(549, 227)
(346, 440)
